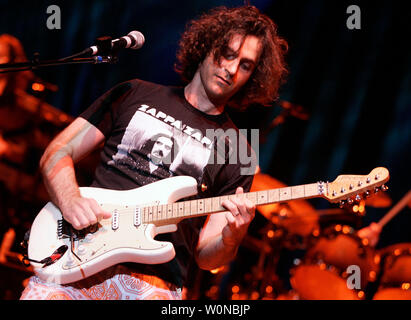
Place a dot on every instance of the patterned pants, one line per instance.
(115, 283)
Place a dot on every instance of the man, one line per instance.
(228, 57)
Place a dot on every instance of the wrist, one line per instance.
(230, 246)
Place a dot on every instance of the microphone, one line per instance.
(134, 40)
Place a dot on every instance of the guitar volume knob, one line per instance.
(81, 250)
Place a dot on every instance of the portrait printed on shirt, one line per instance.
(158, 146)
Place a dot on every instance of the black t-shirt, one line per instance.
(152, 132)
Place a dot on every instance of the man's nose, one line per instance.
(231, 67)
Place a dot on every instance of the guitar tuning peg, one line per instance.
(376, 189)
(342, 203)
(384, 187)
(350, 201)
(366, 194)
(357, 197)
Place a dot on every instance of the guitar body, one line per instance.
(113, 242)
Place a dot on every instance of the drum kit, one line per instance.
(333, 262)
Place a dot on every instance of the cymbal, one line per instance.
(297, 216)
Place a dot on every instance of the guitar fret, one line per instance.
(298, 192)
(285, 194)
(200, 206)
(155, 211)
(164, 211)
(169, 211)
(273, 195)
(311, 190)
(194, 207)
(150, 214)
(223, 198)
(252, 196)
(187, 208)
(180, 209)
(262, 197)
(216, 204)
(175, 209)
(207, 205)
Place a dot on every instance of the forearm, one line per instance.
(57, 162)
(215, 253)
(60, 179)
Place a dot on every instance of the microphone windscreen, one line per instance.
(139, 39)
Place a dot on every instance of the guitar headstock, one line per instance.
(352, 188)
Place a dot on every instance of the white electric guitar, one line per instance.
(61, 254)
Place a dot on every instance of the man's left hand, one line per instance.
(241, 213)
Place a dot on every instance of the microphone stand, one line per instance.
(35, 64)
(103, 44)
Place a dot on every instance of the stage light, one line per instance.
(38, 86)
(235, 289)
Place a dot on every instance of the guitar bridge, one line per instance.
(65, 230)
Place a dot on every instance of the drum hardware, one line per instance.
(288, 109)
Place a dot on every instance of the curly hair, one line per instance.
(212, 31)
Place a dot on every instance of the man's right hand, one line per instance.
(82, 212)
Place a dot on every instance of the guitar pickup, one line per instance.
(137, 216)
(115, 220)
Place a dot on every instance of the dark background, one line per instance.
(354, 84)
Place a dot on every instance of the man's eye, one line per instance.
(246, 66)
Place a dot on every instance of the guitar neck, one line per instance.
(206, 206)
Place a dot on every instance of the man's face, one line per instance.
(161, 149)
(222, 79)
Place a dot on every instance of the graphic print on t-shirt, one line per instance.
(157, 146)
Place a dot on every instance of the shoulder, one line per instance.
(142, 88)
